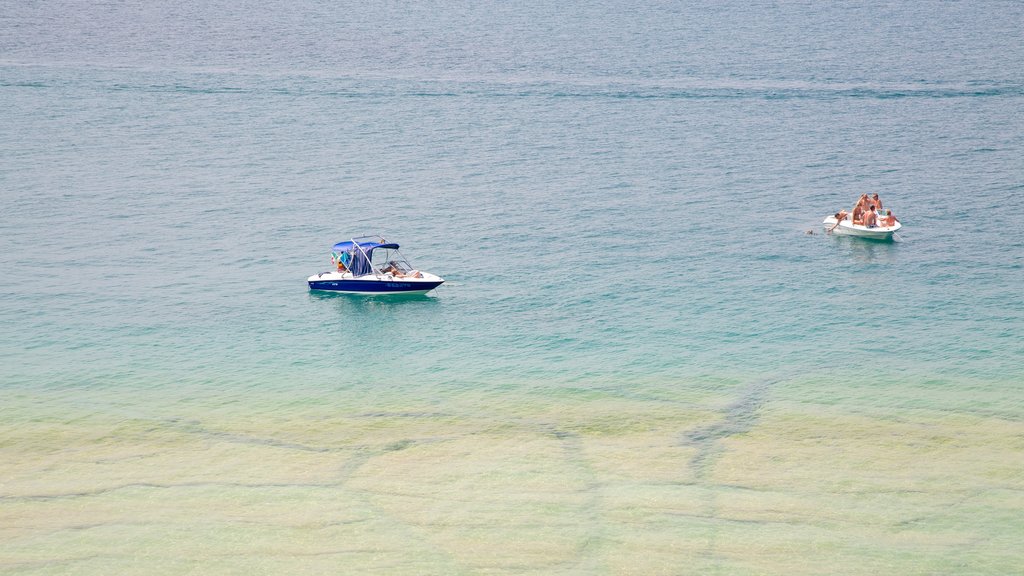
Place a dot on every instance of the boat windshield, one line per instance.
(400, 265)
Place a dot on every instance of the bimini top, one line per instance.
(367, 246)
(357, 253)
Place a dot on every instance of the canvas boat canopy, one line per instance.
(367, 246)
(359, 254)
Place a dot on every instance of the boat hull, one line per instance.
(345, 284)
(846, 228)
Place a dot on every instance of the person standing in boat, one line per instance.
(877, 202)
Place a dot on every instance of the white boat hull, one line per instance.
(848, 228)
(376, 284)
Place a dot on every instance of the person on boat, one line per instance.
(889, 219)
(870, 217)
(342, 261)
(857, 216)
(876, 201)
(394, 271)
(839, 216)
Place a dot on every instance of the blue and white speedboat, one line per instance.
(372, 265)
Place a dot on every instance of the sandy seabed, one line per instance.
(758, 482)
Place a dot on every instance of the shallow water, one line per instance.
(641, 361)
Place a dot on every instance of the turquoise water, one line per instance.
(641, 362)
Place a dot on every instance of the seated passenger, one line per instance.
(341, 260)
(889, 219)
(870, 218)
(392, 269)
(876, 201)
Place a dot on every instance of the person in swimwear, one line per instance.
(870, 217)
(889, 219)
(877, 202)
(394, 271)
(857, 216)
(840, 216)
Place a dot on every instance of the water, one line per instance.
(641, 361)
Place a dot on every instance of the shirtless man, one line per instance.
(840, 216)
(870, 218)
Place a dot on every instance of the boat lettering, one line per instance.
(398, 285)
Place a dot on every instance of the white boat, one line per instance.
(372, 265)
(848, 228)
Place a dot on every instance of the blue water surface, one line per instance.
(621, 198)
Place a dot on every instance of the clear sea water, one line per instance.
(643, 360)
